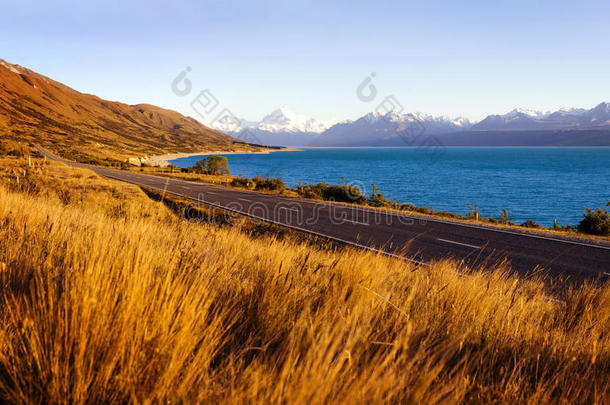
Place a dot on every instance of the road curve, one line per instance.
(413, 238)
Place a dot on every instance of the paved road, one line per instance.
(410, 237)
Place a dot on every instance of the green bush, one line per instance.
(243, 182)
(378, 199)
(324, 191)
(213, 164)
(267, 183)
(530, 224)
(596, 222)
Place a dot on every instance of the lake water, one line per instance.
(541, 184)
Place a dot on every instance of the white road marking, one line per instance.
(356, 222)
(289, 208)
(244, 200)
(459, 243)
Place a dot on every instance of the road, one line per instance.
(413, 238)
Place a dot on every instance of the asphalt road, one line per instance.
(410, 237)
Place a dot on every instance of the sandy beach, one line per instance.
(163, 160)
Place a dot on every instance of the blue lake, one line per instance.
(541, 184)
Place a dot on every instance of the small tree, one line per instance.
(200, 167)
(377, 199)
(213, 164)
(596, 222)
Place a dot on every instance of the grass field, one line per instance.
(108, 296)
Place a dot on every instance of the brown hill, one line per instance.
(36, 109)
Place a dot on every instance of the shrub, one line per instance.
(243, 182)
(324, 191)
(596, 222)
(213, 164)
(530, 224)
(378, 199)
(268, 183)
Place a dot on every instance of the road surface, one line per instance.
(413, 238)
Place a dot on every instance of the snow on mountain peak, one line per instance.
(537, 115)
(284, 120)
(571, 111)
(440, 124)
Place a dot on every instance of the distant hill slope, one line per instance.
(34, 108)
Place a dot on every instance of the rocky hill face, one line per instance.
(37, 109)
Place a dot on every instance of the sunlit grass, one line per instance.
(106, 296)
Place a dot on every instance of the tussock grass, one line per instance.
(100, 304)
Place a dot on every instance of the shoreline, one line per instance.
(164, 160)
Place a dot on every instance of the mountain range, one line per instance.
(281, 127)
(37, 109)
(519, 127)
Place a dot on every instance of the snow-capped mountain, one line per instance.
(565, 118)
(284, 120)
(570, 111)
(390, 129)
(522, 112)
(281, 127)
(520, 126)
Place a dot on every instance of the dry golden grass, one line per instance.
(106, 296)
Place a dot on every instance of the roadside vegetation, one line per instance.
(109, 296)
(596, 222)
(214, 165)
(329, 192)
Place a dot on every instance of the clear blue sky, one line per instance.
(469, 58)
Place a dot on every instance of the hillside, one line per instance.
(34, 108)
